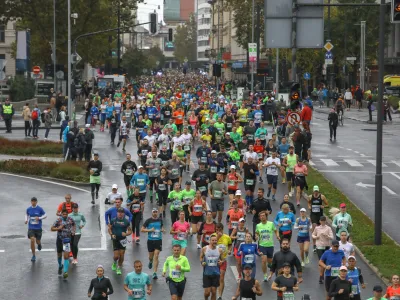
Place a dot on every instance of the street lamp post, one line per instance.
(69, 62)
(252, 40)
(54, 46)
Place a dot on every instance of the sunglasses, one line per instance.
(343, 271)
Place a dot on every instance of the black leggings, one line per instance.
(136, 218)
(348, 104)
(28, 128)
(186, 210)
(162, 198)
(174, 216)
(332, 131)
(95, 187)
(74, 245)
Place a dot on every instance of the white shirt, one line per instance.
(164, 140)
(273, 170)
(151, 139)
(177, 140)
(112, 196)
(347, 248)
(250, 154)
(187, 138)
(348, 96)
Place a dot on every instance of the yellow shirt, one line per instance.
(242, 114)
(239, 130)
(205, 114)
(206, 137)
(223, 243)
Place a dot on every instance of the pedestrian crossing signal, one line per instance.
(395, 11)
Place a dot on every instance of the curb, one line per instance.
(358, 251)
(349, 118)
(70, 182)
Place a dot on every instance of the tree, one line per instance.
(185, 40)
(154, 55)
(135, 60)
(94, 15)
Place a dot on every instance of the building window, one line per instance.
(204, 21)
(202, 32)
(201, 55)
(2, 33)
(203, 43)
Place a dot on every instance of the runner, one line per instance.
(153, 165)
(285, 284)
(180, 230)
(188, 195)
(303, 224)
(141, 180)
(175, 197)
(95, 167)
(234, 179)
(248, 251)
(187, 146)
(207, 228)
(225, 244)
(233, 216)
(128, 168)
(136, 207)
(290, 162)
(210, 258)
(34, 216)
(80, 222)
(283, 150)
(162, 182)
(264, 236)
(123, 133)
(342, 222)
(197, 207)
(154, 226)
(300, 172)
(273, 164)
(173, 167)
(378, 292)
(250, 170)
(177, 265)
(340, 287)
(119, 230)
(135, 283)
(101, 285)
(393, 290)
(111, 213)
(316, 204)
(143, 149)
(65, 227)
(248, 287)
(238, 235)
(217, 190)
(292, 207)
(355, 277)
(346, 246)
(331, 261)
(113, 195)
(258, 205)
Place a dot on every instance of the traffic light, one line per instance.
(50, 70)
(153, 24)
(170, 35)
(294, 96)
(395, 14)
(217, 70)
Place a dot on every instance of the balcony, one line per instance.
(202, 48)
(203, 5)
(204, 26)
(203, 38)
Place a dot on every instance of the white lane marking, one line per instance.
(2, 251)
(103, 228)
(235, 272)
(330, 162)
(356, 152)
(353, 163)
(349, 149)
(373, 162)
(347, 171)
(397, 163)
(47, 181)
(320, 155)
(80, 249)
(395, 175)
(310, 162)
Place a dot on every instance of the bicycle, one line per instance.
(340, 117)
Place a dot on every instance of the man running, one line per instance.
(177, 265)
(95, 167)
(141, 180)
(65, 227)
(210, 258)
(154, 226)
(217, 190)
(272, 163)
(33, 217)
(153, 165)
(128, 168)
(258, 205)
(119, 229)
(290, 162)
(136, 281)
(225, 243)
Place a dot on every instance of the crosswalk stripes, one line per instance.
(353, 163)
(329, 162)
(397, 163)
(373, 162)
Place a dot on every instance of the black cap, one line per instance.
(286, 264)
(322, 218)
(248, 267)
(377, 288)
(96, 153)
(188, 182)
(120, 209)
(75, 205)
(33, 199)
(335, 243)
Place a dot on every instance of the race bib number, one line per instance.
(128, 172)
(234, 224)
(212, 261)
(33, 221)
(262, 136)
(250, 137)
(303, 229)
(177, 204)
(335, 271)
(181, 236)
(249, 181)
(285, 222)
(167, 112)
(202, 188)
(186, 148)
(175, 172)
(240, 236)
(228, 125)
(203, 159)
(213, 169)
(243, 151)
(249, 258)
(161, 187)
(137, 293)
(222, 170)
(243, 118)
(140, 182)
(231, 183)
(175, 274)
(155, 172)
(217, 194)
(135, 207)
(144, 152)
(123, 242)
(156, 234)
(265, 237)
(260, 155)
(288, 296)
(222, 247)
(197, 208)
(354, 289)
(316, 208)
(186, 201)
(67, 247)
(95, 117)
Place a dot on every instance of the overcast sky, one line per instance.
(145, 9)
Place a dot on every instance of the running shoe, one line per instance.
(114, 266)
(137, 240)
(118, 271)
(92, 202)
(283, 180)
(269, 193)
(150, 264)
(39, 247)
(273, 198)
(302, 263)
(265, 277)
(155, 275)
(60, 268)
(307, 260)
(33, 258)
(65, 275)
(321, 280)
(198, 246)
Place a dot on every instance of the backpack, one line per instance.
(42, 117)
(79, 141)
(35, 115)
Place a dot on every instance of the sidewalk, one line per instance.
(360, 116)
(4, 157)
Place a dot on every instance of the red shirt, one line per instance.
(306, 114)
(390, 292)
(234, 217)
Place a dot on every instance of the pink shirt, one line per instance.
(325, 235)
(298, 169)
(183, 227)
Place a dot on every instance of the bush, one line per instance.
(30, 148)
(74, 171)
(394, 101)
(21, 88)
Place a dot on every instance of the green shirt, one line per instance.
(173, 126)
(187, 196)
(235, 137)
(291, 162)
(180, 153)
(265, 233)
(174, 274)
(220, 127)
(148, 123)
(79, 220)
(234, 155)
(176, 198)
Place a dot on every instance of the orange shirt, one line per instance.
(390, 292)
(234, 217)
(67, 206)
(232, 184)
(179, 115)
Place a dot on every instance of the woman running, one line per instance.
(162, 183)
(234, 179)
(136, 207)
(180, 230)
(304, 225)
(196, 209)
(248, 251)
(238, 236)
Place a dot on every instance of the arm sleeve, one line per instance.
(360, 276)
(123, 168)
(165, 266)
(297, 264)
(127, 212)
(186, 266)
(273, 265)
(44, 216)
(334, 223)
(110, 288)
(332, 289)
(83, 220)
(100, 167)
(107, 216)
(90, 287)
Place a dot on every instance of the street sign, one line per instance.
(36, 76)
(328, 46)
(252, 52)
(293, 118)
(185, 60)
(76, 58)
(60, 74)
(328, 55)
(36, 70)
(329, 61)
(307, 76)
(351, 58)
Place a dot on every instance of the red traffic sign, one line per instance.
(293, 118)
(36, 70)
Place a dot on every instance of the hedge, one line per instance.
(74, 171)
(30, 148)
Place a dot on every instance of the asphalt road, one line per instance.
(40, 280)
(349, 163)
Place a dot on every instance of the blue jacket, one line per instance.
(141, 181)
(94, 111)
(282, 219)
(152, 112)
(112, 213)
(65, 133)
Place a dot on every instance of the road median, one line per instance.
(385, 259)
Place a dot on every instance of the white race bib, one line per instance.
(140, 182)
(213, 169)
(316, 208)
(123, 242)
(202, 188)
(288, 296)
(198, 208)
(217, 194)
(234, 224)
(155, 234)
(175, 274)
(137, 293)
(249, 181)
(249, 259)
(67, 247)
(335, 271)
(33, 221)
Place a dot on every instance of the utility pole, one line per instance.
(118, 38)
(70, 113)
(218, 46)
(277, 74)
(252, 40)
(54, 46)
(328, 68)
(294, 40)
(362, 56)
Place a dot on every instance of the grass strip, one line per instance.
(386, 257)
(70, 170)
(30, 148)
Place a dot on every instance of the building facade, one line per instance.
(7, 38)
(203, 15)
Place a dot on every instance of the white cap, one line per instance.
(214, 151)
(87, 125)
(351, 256)
(238, 193)
(233, 167)
(140, 167)
(242, 219)
(114, 186)
(303, 209)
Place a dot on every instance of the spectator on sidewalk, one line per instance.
(306, 113)
(35, 116)
(26, 114)
(80, 143)
(348, 97)
(48, 121)
(65, 131)
(370, 107)
(359, 97)
(386, 109)
(89, 137)
(320, 97)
